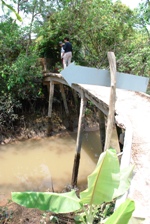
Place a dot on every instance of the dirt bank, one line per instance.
(37, 126)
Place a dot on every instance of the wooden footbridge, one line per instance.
(131, 118)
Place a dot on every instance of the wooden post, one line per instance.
(70, 120)
(114, 143)
(79, 139)
(51, 93)
(102, 128)
(64, 99)
(112, 99)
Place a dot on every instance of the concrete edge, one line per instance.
(126, 156)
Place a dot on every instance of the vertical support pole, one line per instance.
(102, 128)
(51, 94)
(114, 143)
(112, 99)
(79, 139)
(70, 121)
(64, 99)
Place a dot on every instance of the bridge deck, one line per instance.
(135, 107)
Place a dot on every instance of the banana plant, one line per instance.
(106, 183)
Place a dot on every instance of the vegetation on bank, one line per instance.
(94, 28)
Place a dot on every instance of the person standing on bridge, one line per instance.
(67, 55)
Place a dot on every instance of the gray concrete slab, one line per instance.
(93, 76)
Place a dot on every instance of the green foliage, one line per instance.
(58, 203)
(99, 27)
(17, 69)
(105, 174)
(103, 186)
(143, 16)
(94, 28)
(136, 58)
(21, 74)
(122, 214)
(11, 42)
(7, 112)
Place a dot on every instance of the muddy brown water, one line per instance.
(36, 165)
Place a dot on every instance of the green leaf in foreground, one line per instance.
(54, 202)
(104, 181)
(125, 179)
(123, 213)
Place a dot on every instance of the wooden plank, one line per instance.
(97, 102)
(55, 77)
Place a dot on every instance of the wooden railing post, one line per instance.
(112, 99)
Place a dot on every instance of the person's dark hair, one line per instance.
(66, 38)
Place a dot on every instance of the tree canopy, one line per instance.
(94, 28)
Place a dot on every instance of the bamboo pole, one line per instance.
(79, 139)
(112, 99)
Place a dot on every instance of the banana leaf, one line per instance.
(104, 181)
(123, 214)
(54, 202)
(125, 179)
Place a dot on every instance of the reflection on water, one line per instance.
(36, 164)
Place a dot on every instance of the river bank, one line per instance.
(37, 126)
